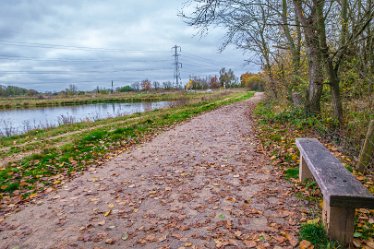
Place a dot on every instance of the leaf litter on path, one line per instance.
(208, 188)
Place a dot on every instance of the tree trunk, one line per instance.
(336, 101)
(315, 64)
(314, 92)
(295, 46)
(331, 71)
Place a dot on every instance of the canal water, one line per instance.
(19, 121)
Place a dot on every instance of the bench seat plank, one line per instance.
(339, 187)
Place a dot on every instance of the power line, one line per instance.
(198, 56)
(16, 58)
(91, 71)
(48, 82)
(69, 47)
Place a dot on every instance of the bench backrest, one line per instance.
(339, 187)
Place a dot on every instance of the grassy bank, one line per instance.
(26, 178)
(65, 100)
(277, 129)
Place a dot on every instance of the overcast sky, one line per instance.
(47, 45)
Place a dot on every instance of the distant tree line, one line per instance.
(226, 79)
(8, 91)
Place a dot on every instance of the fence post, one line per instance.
(367, 151)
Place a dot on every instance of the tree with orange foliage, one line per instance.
(146, 85)
(252, 81)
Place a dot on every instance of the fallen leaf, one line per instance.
(162, 238)
(109, 241)
(238, 233)
(125, 236)
(304, 244)
(108, 213)
(370, 243)
(314, 221)
(188, 244)
(356, 243)
(250, 243)
(292, 239)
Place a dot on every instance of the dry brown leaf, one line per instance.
(292, 239)
(356, 243)
(109, 241)
(238, 233)
(370, 243)
(304, 244)
(250, 243)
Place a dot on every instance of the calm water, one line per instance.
(21, 120)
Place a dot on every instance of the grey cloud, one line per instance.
(138, 36)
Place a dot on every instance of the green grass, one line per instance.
(291, 173)
(34, 173)
(316, 234)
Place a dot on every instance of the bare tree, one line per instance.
(246, 25)
(327, 30)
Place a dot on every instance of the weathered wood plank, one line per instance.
(339, 223)
(304, 172)
(338, 185)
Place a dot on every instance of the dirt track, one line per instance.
(202, 184)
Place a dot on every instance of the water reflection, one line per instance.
(22, 120)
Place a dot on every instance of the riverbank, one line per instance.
(50, 157)
(92, 98)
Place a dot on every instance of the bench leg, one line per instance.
(339, 223)
(304, 172)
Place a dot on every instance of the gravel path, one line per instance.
(202, 184)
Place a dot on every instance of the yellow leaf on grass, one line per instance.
(321, 204)
(313, 221)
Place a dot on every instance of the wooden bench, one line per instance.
(342, 193)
